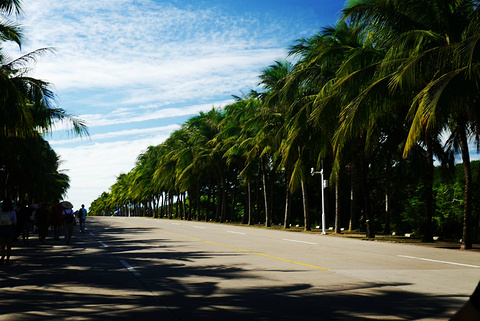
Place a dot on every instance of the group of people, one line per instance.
(21, 221)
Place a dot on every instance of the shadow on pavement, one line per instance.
(85, 281)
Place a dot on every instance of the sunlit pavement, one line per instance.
(123, 271)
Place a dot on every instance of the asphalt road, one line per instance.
(146, 269)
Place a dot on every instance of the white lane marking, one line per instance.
(102, 244)
(236, 232)
(437, 261)
(175, 224)
(130, 268)
(199, 227)
(299, 241)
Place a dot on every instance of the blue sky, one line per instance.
(135, 70)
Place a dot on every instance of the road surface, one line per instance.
(147, 269)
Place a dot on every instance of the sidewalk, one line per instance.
(80, 281)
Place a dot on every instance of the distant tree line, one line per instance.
(29, 167)
(373, 100)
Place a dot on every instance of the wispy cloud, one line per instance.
(163, 131)
(139, 114)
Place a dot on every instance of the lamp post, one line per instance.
(313, 172)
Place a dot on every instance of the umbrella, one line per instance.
(67, 204)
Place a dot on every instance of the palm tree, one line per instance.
(208, 156)
(165, 175)
(233, 134)
(27, 108)
(273, 80)
(100, 206)
(30, 170)
(262, 132)
(327, 59)
(146, 165)
(424, 37)
(9, 30)
(27, 105)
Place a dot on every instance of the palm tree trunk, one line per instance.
(177, 207)
(271, 208)
(207, 207)
(221, 195)
(369, 218)
(467, 205)
(257, 200)
(353, 199)
(234, 200)
(190, 207)
(386, 229)
(223, 200)
(286, 221)
(197, 188)
(306, 214)
(264, 182)
(170, 206)
(209, 198)
(154, 206)
(249, 203)
(156, 201)
(337, 205)
(245, 205)
(428, 230)
(218, 207)
(220, 191)
(184, 201)
(162, 209)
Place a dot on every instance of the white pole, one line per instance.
(313, 172)
(323, 203)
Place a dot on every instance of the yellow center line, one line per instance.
(237, 249)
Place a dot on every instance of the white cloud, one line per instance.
(131, 115)
(123, 45)
(125, 62)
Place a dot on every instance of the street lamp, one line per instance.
(313, 172)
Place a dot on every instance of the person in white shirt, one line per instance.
(8, 217)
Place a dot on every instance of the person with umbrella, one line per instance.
(68, 220)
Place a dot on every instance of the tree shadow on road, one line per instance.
(85, 282)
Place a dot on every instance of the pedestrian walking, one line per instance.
(23, 226)
(8, 219)
(42, 221)
(82, 218)
(68, 220)
(57, 220)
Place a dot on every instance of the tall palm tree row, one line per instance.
(374, 100)
(430, 60)
(29, 168)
